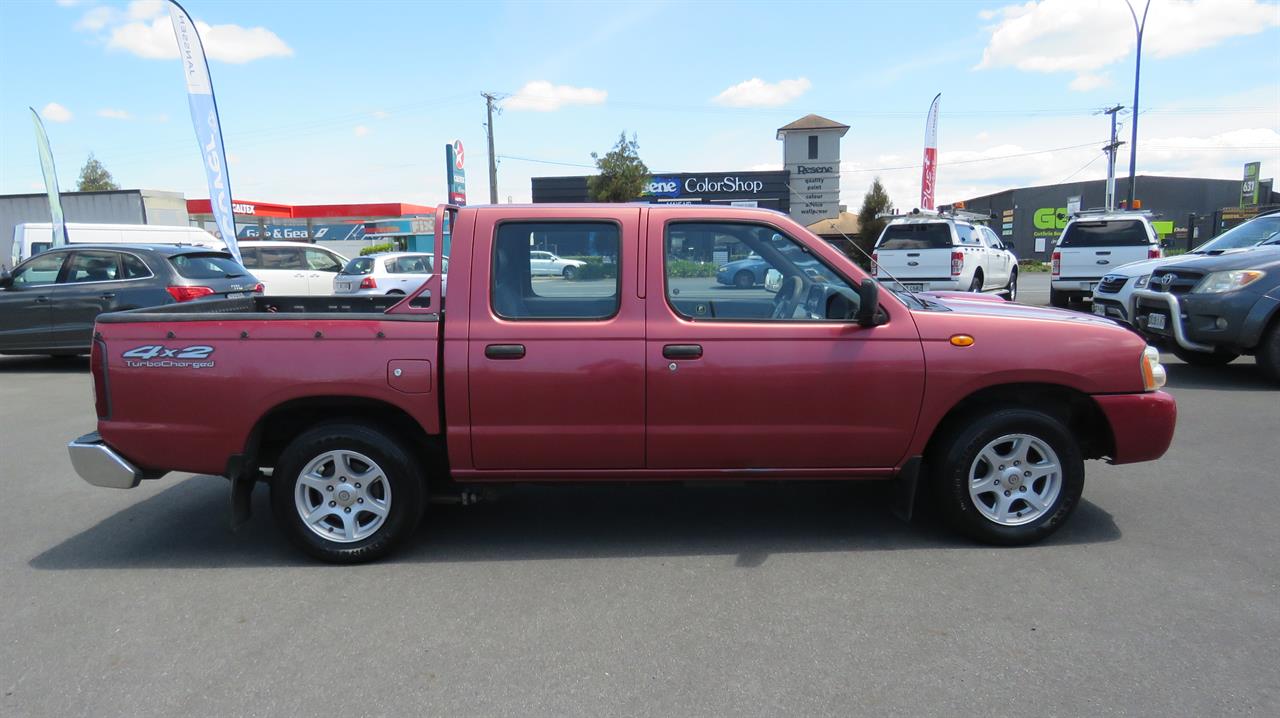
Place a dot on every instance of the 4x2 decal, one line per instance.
(158, 355)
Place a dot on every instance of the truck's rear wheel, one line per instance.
(1059, 299)
(976, 284)
(1009, 477)
(346, 493)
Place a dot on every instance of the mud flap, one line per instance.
(904, 494)
(242, 481)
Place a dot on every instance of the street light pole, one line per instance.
(1138, 27)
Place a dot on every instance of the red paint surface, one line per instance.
(597, 400)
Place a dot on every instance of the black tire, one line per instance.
(954, 455)
(395, 292)
(975, 286)
(1269, 353)
(570, 272)
(1214, 358)
(1059, 299)
(1011, 290)
(744, 280)
(407, 487)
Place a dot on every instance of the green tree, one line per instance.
(622, 173)
(874, 202)
(95, 177)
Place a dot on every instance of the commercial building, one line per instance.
(808, 187)
(1187, 209)
(125, 206)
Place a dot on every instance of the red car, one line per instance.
(641, 367)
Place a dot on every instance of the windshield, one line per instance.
(932, 235)
(359, 265)
(1105, 233)
(1249, 234)
(206, 266)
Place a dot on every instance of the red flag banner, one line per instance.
(929, 175)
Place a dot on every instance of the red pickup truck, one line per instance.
(640, 367)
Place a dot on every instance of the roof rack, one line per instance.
(918, 213)
(1103, 210)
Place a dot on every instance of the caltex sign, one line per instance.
(455, 176)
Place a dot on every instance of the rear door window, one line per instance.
(206, 266)
(93, 267)
(591, 293)
(1105, 233)
(134, 268)
(932, 235)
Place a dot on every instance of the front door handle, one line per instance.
(682, 351)
(41, 299)
(504, 351)
(109, 295)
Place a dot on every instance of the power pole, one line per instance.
(1138, 27)
(489, 99)
(1110, 149)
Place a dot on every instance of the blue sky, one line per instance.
(329, 101)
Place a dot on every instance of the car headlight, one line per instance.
(1142, 282)
(1218, 282)
(722, 268)
(1153, 374)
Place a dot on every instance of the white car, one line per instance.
(547, 264)
(1111, 297)
(932, 252)
(292, 268)
(1092, 245)
(386, 273)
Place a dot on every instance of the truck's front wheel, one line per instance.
(1009, 477)
(346, 493)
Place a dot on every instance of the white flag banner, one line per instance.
(204, 117)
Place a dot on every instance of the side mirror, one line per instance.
(868, 303)
(6, 279)
(772, 280)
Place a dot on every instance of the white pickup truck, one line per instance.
(1094, 243)
(929, 252)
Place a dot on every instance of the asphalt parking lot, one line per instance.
(1162, 597)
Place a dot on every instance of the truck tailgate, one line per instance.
(934, 264)
(203, 382)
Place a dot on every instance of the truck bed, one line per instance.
(261, 308)
(202, 375)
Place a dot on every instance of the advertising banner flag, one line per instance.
(50, 181)
(204, 116)
(455, 176)
(930, 173)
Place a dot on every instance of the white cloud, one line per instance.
(1084, 36)
(361, 130)
(97, 18)
(68, 3)
(53, 112)
(542, 96)
(147, 9)
(144, 29)
(380, 114)
(758, 93)
(1086, 81)
(114, 114)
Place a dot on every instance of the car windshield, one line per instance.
(359, 265)
(929, 235)
(1105, 233)
(210, 265)
(1249, 234)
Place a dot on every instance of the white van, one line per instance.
(32, 238)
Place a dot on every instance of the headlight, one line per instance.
(1153, 374)
(1218, 282)
(722, 268)
(1142, 282)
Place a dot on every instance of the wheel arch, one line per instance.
(1076, 410)
(286, 421)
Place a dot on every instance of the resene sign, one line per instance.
(674, 187)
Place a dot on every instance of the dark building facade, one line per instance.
(743, 189)
(1033, 217)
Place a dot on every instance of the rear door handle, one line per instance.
(504, 351)
(682, 351)
(41, 299)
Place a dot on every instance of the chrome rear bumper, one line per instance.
(99, 465)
